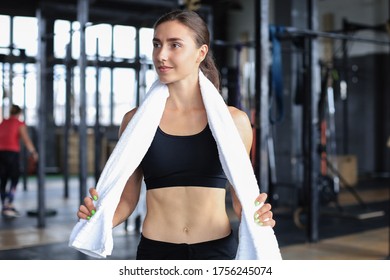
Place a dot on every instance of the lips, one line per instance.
(164, 69)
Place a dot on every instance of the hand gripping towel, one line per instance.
(94, 237)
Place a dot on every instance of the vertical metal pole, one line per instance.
(112, 80)
(24, 155)
(98, 143)
(138, 65)
(42, 90)
(82, 16)
(50, 125)
(311, 120)
(261, 84)
(11, 66)
(68, 93)
(344, 94)
(10, 85)
(388, 148)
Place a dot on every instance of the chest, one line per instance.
(183, 123)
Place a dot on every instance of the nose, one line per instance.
(161, 53)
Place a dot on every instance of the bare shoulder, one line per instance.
(240, 118)
(243, 124)
(126, 119)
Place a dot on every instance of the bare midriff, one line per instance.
(186, 214)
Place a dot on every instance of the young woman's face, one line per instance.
(175, 54)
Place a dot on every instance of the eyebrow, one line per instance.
(174, 39)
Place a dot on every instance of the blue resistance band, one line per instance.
(276, 75)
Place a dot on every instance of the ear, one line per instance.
(203, 50)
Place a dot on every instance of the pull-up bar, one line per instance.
(332, 35)
(349, 26)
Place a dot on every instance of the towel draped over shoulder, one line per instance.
(94, 237)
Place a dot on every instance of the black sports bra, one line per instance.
(183, 161)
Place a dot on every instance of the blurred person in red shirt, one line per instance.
(12, 130)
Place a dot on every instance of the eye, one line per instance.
(156, 45)
(176, 45)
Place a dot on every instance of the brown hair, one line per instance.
(15, 110)
(201, 37)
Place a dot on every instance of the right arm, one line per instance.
(131, 192)
(129, 198)
(130, 195)
(27, 142)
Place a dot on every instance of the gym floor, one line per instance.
(351, 233)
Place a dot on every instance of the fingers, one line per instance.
(93, 193)
(35, 157)
(261, 199)
(87, 210)
(83, 213)
(264, 216)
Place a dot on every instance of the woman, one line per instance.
(186, 214)
(12, 130)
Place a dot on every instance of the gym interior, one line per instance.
(311, 75)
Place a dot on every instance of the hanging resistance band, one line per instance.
(276, 76)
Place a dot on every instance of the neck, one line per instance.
(185, 95)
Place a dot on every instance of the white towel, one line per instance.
(94, 237)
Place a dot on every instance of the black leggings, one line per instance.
(220, 249)
(9, 170)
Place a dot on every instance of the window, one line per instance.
(124, 42)
(117, 86)
(26, 34)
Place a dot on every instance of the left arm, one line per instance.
(264, 215)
